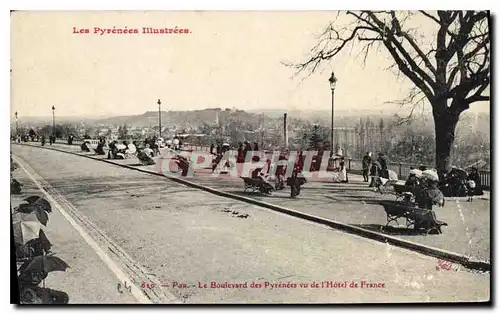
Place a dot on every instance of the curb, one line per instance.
(420, 248)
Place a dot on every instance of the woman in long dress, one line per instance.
(343, 171)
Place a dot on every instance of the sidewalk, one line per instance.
(88, 280)
(354, 203)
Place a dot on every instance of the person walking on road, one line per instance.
(296, 180)
(280, 172)
(367, 161)
(343, 171)
(384, 163)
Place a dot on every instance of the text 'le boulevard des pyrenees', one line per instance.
(343, 157)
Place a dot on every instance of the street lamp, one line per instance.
(333, 83)
(53, 121)
(17, 125)
(159, 114)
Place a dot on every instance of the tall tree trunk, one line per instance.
(445, 124)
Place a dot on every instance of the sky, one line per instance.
(228, 59)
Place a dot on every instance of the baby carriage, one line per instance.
(382, 184)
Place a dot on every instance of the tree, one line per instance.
(316, 140)
(451, 70)
(64, 130)
(123, 132)
(46, 130)
(413, 147)
(32, 134)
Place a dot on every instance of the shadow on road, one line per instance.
(390, 230)
(371, 200)
(136, 165)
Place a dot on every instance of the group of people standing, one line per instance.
(295, 179)
(375, 171)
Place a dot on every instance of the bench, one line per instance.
(426, 220)
(416, 218)
(403, 192)
(394, 211)
(145, 159)
(256, 185)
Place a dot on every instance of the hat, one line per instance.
(471, 184)
(416, 172)
(430, 175)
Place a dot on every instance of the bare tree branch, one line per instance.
(468, 40)
(458, 77)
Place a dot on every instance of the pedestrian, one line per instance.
(375, 172)
(367, 161)
(241, 156)
(280, 172)
(296, 180)
(430, 194)
(176, 143)
(473, 181)
(343, 171)
(383, 161)
(212, 146)
(301, 160)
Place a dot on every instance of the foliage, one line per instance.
(123, 132)
(318, 138)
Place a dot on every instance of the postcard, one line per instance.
(250, 157)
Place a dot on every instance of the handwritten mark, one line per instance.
(442, 264)
(119, 287)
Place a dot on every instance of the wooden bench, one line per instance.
(426, 220)
(416, 218)
(256, 185)
(394, 211)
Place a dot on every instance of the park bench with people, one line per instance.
(403, 192)
(254, 185)
(425, 220)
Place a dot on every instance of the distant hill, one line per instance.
(478, 122)
(194, 117)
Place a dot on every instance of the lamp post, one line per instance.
(17, 125)
(333, 83)
(159, 115)
(53, 121)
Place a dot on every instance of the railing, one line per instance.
(403, 170)
(353, 165)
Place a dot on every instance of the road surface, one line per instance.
(185, 239)
(467, 232)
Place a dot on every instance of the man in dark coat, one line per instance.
(384, 161)
(367, 161)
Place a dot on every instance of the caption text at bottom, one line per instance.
(270, 285)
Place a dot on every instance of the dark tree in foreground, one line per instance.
(450, 69)
(317, 140)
